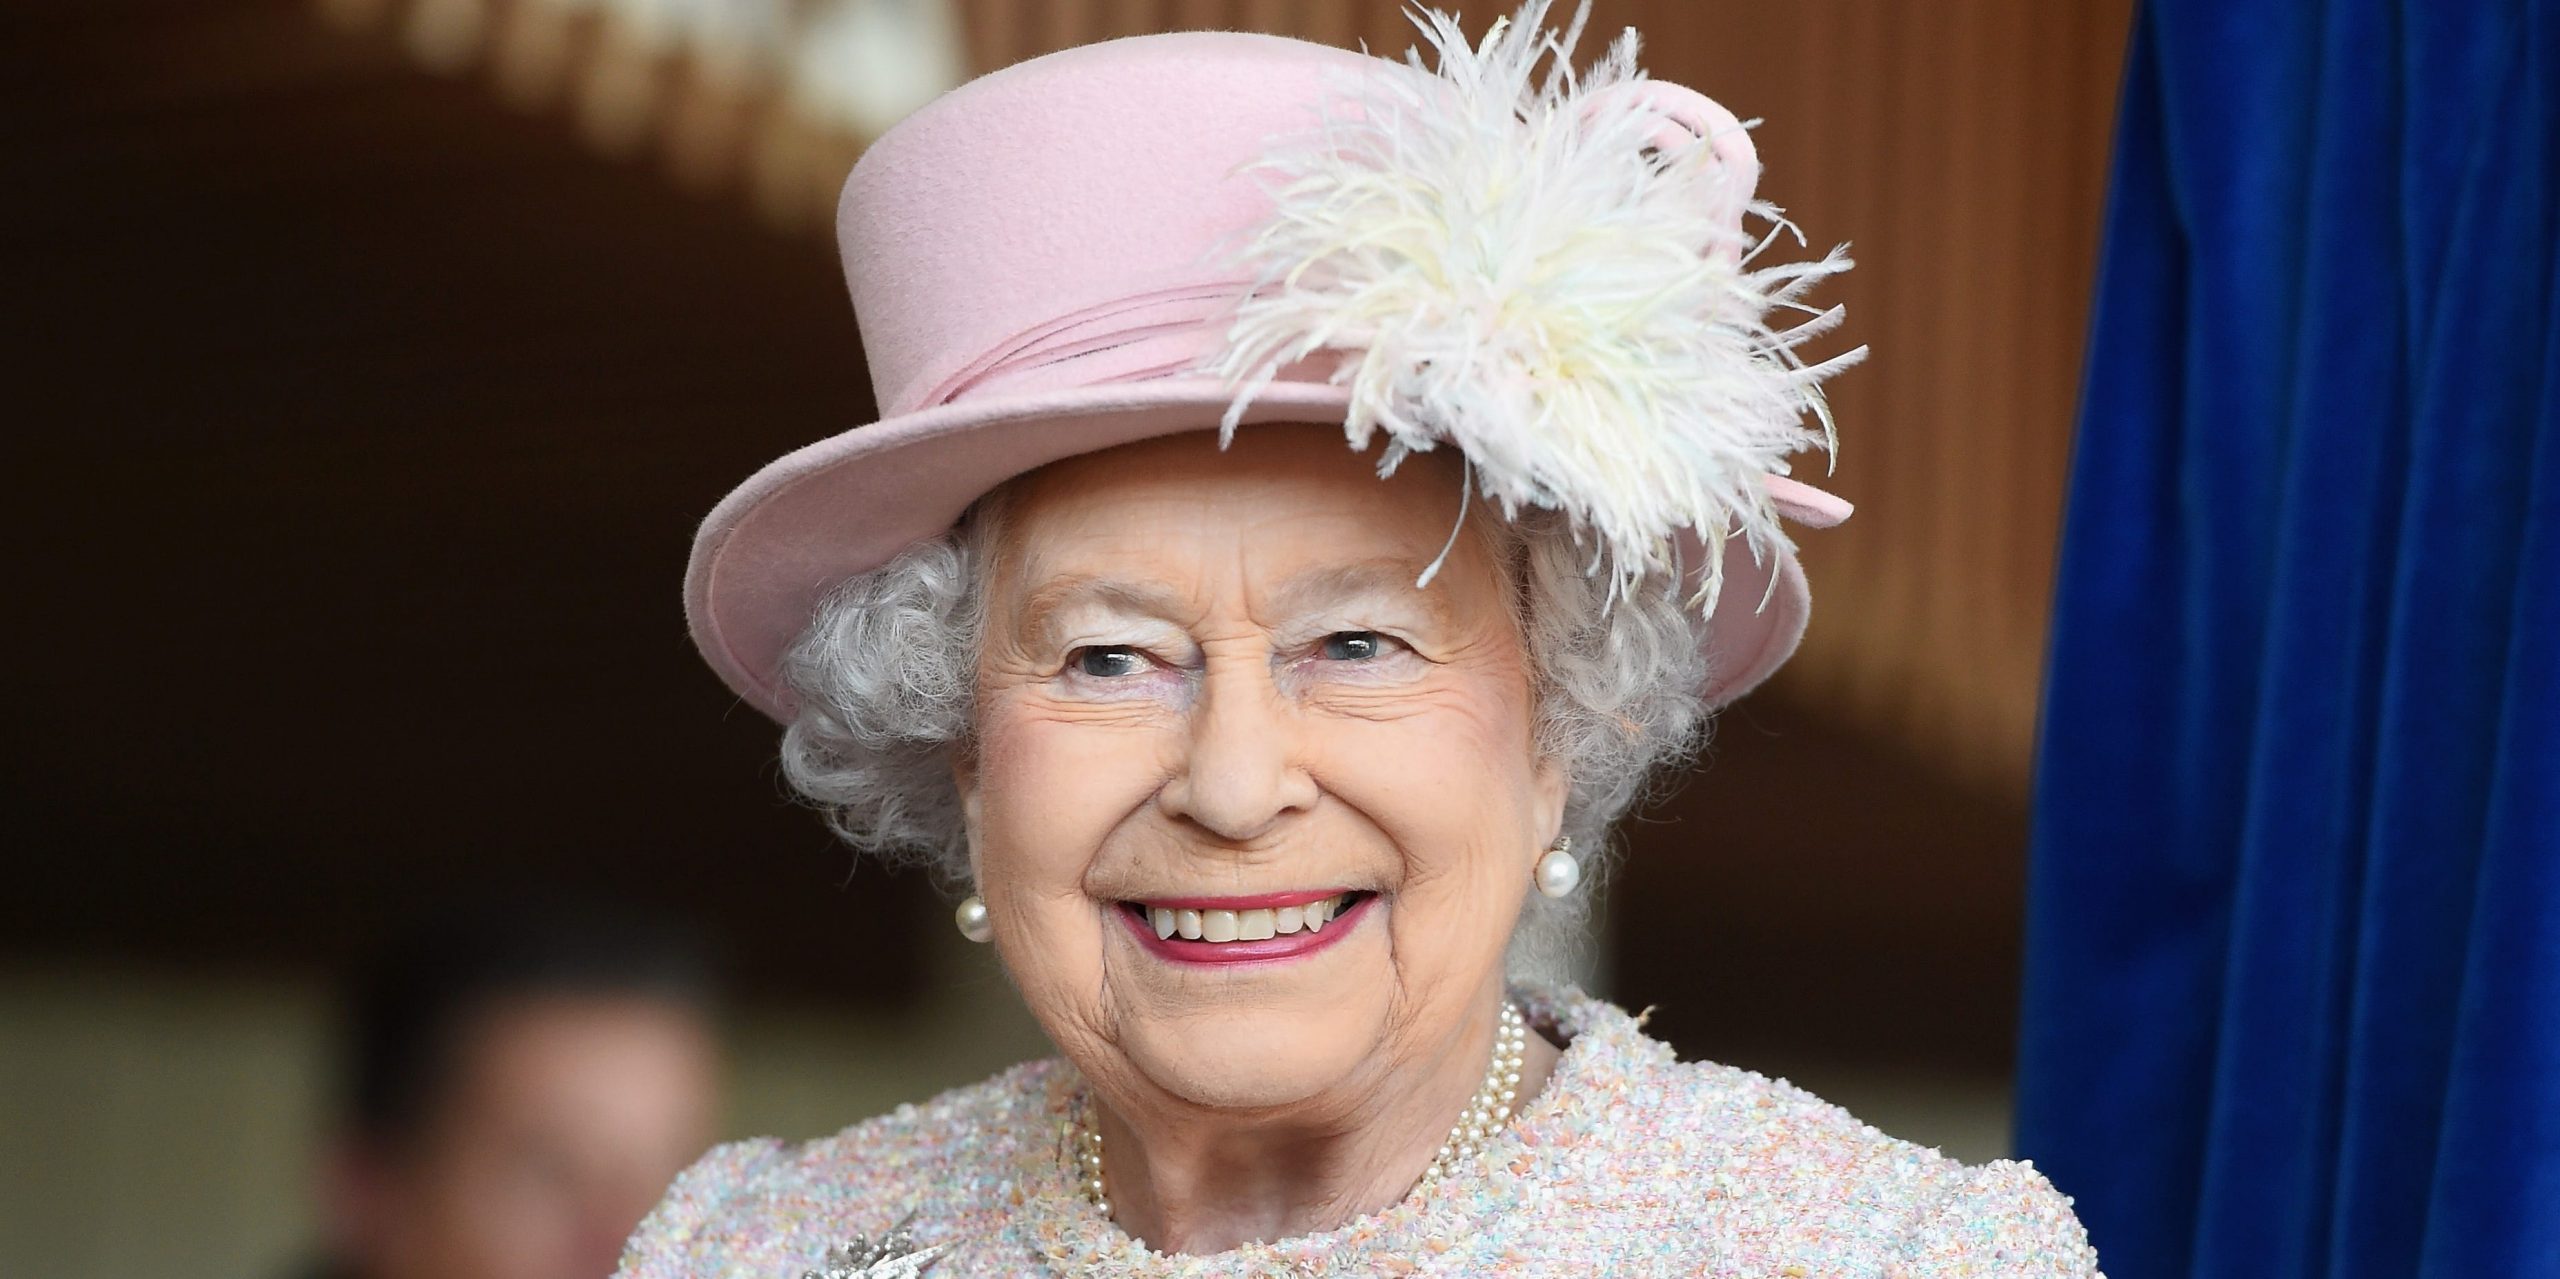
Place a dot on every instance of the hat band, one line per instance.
(1131, 339)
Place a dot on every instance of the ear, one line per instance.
(964, 779)
(1549, 788)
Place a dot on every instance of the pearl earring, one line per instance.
(1558, 872)
(972, 919)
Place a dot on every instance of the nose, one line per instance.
(1241, 774)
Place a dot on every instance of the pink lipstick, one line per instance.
(1245, 929)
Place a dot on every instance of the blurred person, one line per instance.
(519, 1086)
(1276, 770)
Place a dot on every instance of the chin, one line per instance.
(1258, 1055)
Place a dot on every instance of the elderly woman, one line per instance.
(1315, 494)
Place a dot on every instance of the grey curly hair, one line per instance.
(885, 679)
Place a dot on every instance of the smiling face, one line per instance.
(1211, 687)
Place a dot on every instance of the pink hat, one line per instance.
(1046, 261)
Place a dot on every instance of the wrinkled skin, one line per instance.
(1212, 673)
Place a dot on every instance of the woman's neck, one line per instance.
(1186, 1180)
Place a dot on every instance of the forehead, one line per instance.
(524, 1055)
(1289, 513)
(574, 1032)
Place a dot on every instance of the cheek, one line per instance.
(1050, 790)
(1050, 794)
(1454, 788)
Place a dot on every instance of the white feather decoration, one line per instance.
(1503, 260)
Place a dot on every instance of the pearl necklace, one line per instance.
(1486, 1114)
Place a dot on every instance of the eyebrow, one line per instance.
(1307, 591)
(1302, 593)
(1040, 611)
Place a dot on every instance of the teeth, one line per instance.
(1242, 925)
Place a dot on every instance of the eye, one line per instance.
(1108, 661)
(1353, 646)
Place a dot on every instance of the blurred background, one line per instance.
(372, 359)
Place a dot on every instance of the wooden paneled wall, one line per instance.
(1961, 147)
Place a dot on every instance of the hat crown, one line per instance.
(1062, 206)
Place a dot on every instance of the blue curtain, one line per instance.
(2293, 989)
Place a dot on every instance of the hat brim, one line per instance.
(795, 530)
